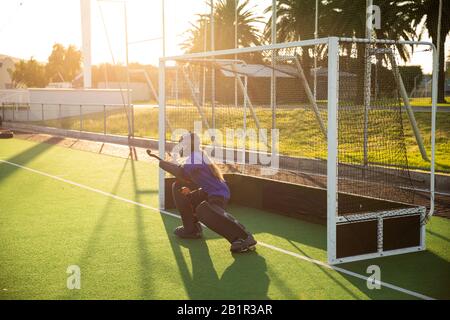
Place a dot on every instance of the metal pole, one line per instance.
(163, 28)
(176, 86)
(59, 116)
(235, 46)
(434, 94)
(367, 79)
(245, 123)
(85, 6)
(332, 163)
(132, 119)
(439, 27)
(273, 93)
(408, 107)
(81, 118)
(162, 131)
(104, 119)
(434, 100)
(130, 124)
(205, 48)
(213, 70)
(316, 35)
(42, 111)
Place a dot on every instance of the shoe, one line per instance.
(183, 234)
(241, 246)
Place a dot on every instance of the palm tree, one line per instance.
(224, 26)
(295, 21)
(424, 14)
(348, 19)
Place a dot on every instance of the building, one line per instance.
(6, 65)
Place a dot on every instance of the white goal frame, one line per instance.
(332, 133)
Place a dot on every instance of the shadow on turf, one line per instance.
(27, 155)
(245, 278)
(423, 272)
(96, 233)
(143, 251)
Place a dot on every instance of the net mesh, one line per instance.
(372, 154)
(241, 99)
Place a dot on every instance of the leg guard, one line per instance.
(184, 206)
(221, 222)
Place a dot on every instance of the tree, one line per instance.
(63, 64)
(224, 25)
(448, 67)
(424, 14)
(30, 74)
(341, 18)
(296, 21)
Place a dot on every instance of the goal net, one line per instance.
(332, 150)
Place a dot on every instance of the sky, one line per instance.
(29, 28)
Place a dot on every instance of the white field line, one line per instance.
(266, 245)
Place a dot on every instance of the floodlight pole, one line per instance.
(85, 6)
(131, 123)
(163, 29)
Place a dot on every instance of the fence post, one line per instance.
(3, 111)
(104, 119)
(14, 112)
(42, 111)
(132, 120)
(59, 116)
(28, 112)
(81, 118)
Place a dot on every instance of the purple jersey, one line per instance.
(198, 170)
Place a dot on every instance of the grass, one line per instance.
(426, 102)
(299, 133)
(128, 252)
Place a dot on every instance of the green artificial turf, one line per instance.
(126, 251)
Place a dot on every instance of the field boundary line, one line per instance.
(266, 245)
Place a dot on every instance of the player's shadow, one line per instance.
(245, 278)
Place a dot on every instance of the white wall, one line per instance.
(14, 96)
(50, 99)
(140, 90)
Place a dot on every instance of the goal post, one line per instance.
(373, 155)
(332, 158)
